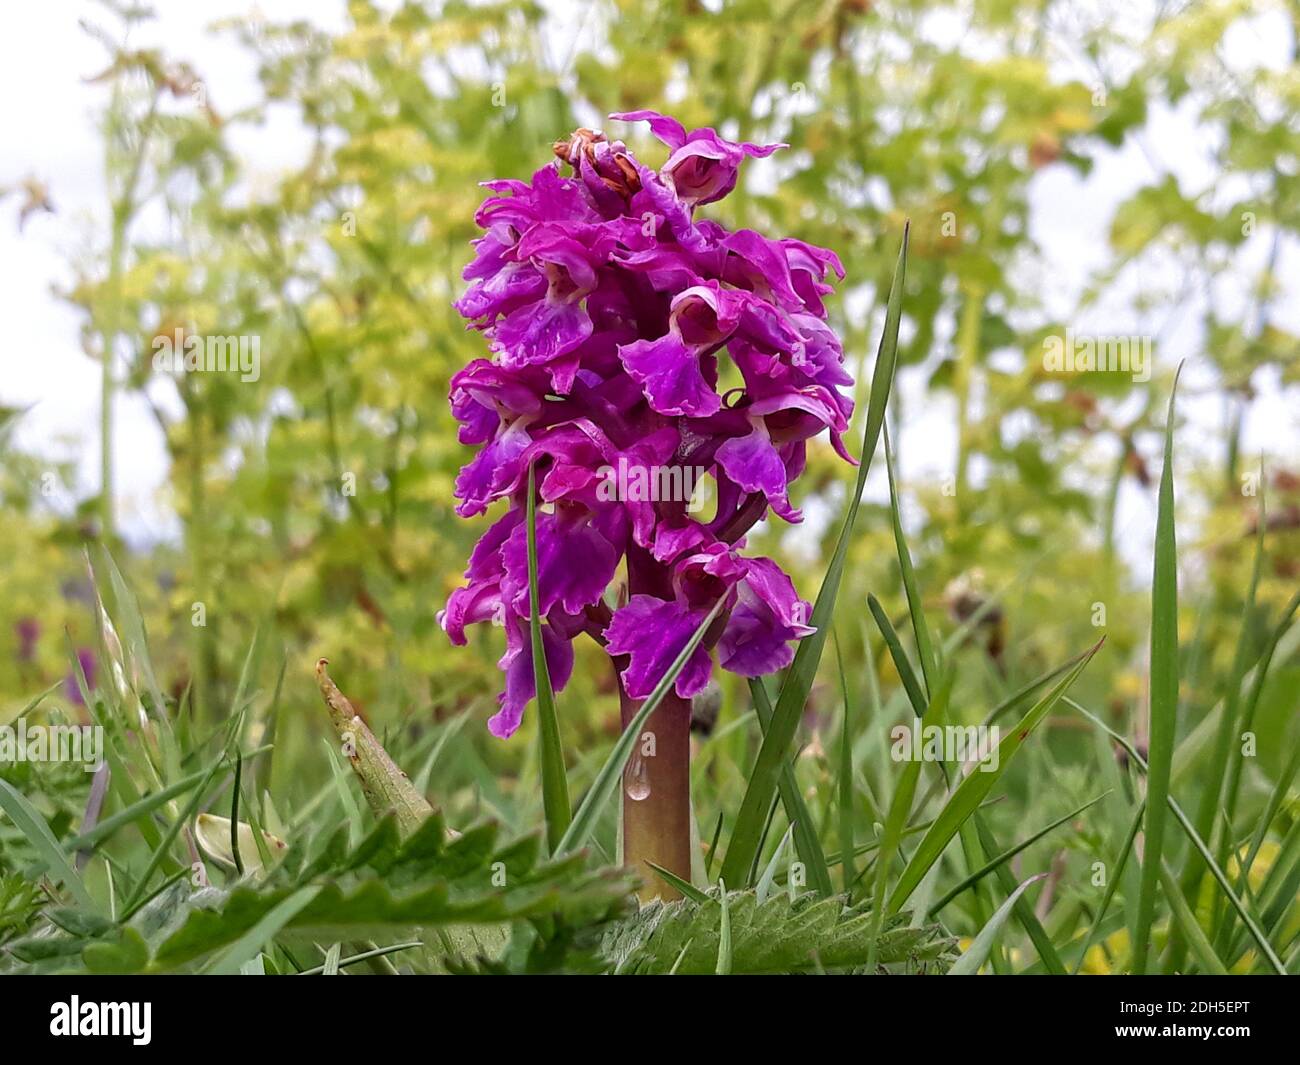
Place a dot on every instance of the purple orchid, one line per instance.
(628, 335)
(703, 167)
(28, 631)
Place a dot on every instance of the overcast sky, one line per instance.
(47, 130)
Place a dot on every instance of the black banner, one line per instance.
(144, 1014)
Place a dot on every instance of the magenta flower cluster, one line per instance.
(609, 306)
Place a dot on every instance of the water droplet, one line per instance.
(636, 779)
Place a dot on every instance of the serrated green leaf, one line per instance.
(781, 935)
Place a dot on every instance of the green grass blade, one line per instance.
(844, 785)
(806, 843)
(968, 795)
(1280, 790)
(924, 643)
(555, 783)
(1278, 892)
(131, 617)
(1213, 783)
(762, 839)
(744, 844)
(972, 848)
(160, 852)
(713, 846)
(978, 952)
(687, 889)
(357, 959)
(765, 882)
(350, 808)
(1216, 870)
(1212, 786)
(36, 701)
(448, 733)
(32, 825)
(1185, 922)
(247, 674)
(1024, 914)
(1012, 701)
(607, 779)
(1233, 785)
(915, 695)
(1111, 885)
(900, 808)
(835, 858)
(234, 815)
(1008, 854)
(724, 933)
(1163, 697)
(900, 805)
(681, 957)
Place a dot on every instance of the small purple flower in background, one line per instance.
(71, 689)
(28, 631)
(626, 332)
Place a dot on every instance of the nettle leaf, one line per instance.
(387, 890)
(20, 902)
(128, 954)
(383, 888)
(780, 935)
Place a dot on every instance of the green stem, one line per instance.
(968, 336)
(1112, 511)
(1233, 456)
(198, 570)
(123, 209)
(106, 386)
